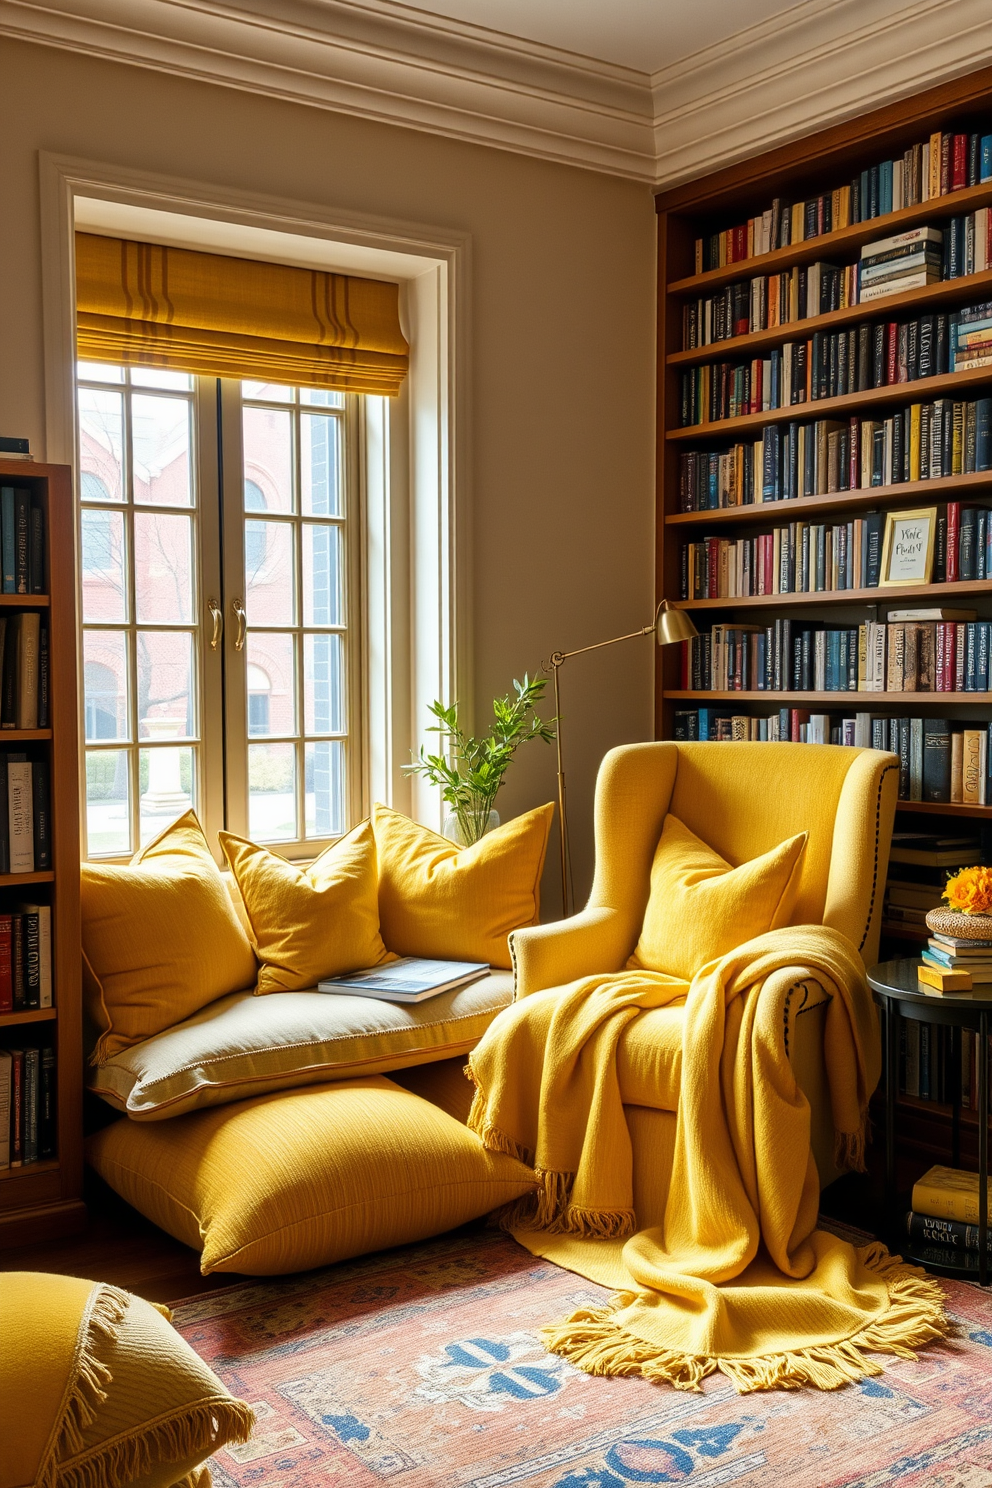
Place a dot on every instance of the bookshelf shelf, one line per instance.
(933, 593)
(899, 931)
(941, 808)
(947, 293)
(906, 493)
(923, 390)
(45, 1197)
(844, 239)
(870, 700)
(29, 1015)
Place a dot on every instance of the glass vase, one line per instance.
(454, 831)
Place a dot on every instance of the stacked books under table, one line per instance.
(943, 1222)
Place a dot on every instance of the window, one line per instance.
(217, 511)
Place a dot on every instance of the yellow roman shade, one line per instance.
(147, 305)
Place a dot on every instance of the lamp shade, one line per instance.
(673, 625)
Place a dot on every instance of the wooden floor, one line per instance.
(121, 1247)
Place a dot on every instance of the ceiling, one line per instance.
(658, 91)
(644, 35)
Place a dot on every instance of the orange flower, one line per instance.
(970, 891)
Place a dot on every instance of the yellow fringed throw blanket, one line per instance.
(733, 1275)
(67, 1422)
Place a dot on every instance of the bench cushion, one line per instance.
(304, 1178)
(244, 1045)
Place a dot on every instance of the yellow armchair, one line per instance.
(742, 799)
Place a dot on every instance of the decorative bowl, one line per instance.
(960, 926)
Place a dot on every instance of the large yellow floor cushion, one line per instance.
(98, 1389)
(244, 1045)
(303, 1178)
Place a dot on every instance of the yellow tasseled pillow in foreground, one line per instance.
(161, 938)
(701, 908)
(98, 1389)
(314, 922)
(436, 899)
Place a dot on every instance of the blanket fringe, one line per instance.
(592, 1340)
(849, 1147)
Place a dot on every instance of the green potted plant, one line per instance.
(470, 771)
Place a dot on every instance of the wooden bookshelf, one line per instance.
(44, 1198)
(798, 172)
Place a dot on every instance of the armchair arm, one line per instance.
(597, 940)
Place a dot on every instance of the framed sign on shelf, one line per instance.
(907, 548)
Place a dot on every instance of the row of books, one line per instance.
(25, 814)
(923, 441)
(22, 541)
(24, 671)
(927, 1071)
(894, 656)
(769, 300)
(919, 866)
(933, 168)
(824, 557)
(831, 364)
(26, 958)
(939, 759)
(27, 1105)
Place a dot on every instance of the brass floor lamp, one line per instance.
(669, 625)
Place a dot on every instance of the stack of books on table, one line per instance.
(908, 260)
(953, 953)
(943, 1222)
(919, 866)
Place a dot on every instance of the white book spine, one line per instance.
(21, 816)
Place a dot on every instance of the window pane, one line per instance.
(99, 372)
(162, 567)
(105, 684)
(321, 488)
(165, 788)
(322, 597)
(101, 444)
(104, 581)
(325, 793)
(271, 683)
(268, 455)
(270, 573)
(108, 828)
(269, 392)
(158, 377)
(165, 684)
(323, 683)
(160, 450)
(323, 397)
(272, 792)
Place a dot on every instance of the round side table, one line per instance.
(900, 995)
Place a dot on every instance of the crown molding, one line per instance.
(818, 63)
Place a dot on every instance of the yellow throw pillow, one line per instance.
(314, 922)
(700, 907)
(161, 938)
(436, 899)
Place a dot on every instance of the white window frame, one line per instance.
(415, 447)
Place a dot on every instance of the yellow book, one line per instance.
(948, 1193)
(798, 222)
(971, 768)
(794, 294)
(933, 175)
(862, 655)
(914, 441)
(841, 207)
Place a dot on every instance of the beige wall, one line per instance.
(562, 356)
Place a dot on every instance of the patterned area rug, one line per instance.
(423, 1365)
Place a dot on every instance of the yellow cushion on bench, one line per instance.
(306, 1177)
(436, 899)
(244, 1045)
(161, 938)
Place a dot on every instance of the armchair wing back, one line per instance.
(741, 799)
